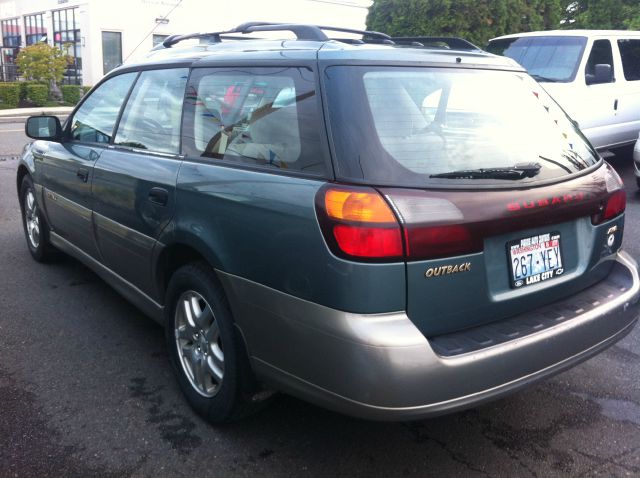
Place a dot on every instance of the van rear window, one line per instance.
(403, 126)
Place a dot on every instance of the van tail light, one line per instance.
(358, 223)
(615, 202)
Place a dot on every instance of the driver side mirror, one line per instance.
(43, 127)
(602, 73)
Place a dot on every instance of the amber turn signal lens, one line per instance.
(357, 206)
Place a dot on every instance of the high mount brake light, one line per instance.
(358, 223)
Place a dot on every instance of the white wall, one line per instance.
(136, 19)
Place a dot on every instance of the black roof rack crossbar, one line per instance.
(364, 33)
(454, 43)
(173, 39)
(301, 31)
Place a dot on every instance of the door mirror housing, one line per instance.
(43, 127)
(602, 73)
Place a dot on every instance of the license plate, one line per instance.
(535, 259)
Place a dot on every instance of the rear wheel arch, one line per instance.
(172, 258)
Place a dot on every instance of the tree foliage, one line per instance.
(603, 14)
(41, 62)
(480, 20)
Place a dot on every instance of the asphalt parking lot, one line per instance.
(86, 390)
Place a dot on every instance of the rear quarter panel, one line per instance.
(262, 227)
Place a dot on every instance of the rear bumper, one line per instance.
(381, 367)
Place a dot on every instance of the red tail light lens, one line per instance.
(614, 206)
(616, 202)
(358, 223)
(439, 241)
(368, 241)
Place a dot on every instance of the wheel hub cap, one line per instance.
(31, 219)
(198, 344)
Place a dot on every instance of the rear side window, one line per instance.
(151, 119)
(402, 126)
(630, 53)
(263, 117)
(601, 53)
(96, 118)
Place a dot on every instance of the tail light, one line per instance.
(358, 223)
(433, 227)
(615, 202)
(392, 224)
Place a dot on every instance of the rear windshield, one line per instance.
(401, 126)
(552, 58)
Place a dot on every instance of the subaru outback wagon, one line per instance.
(390, 231)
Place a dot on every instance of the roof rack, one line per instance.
(301, 31)
(453, 43)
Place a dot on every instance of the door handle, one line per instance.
(615, 105)
(83, 174)
(159, 196)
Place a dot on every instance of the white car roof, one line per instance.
(574, 33)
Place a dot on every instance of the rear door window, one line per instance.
(402, 126)
(151, 119)
(630, 53)
(266, 118)
(96, 117)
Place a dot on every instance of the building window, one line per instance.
(34, 29)
(111, 51)
(66, 35)
(11, 41)
(11, 33)
(157, 39)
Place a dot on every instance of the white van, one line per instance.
(593, 74)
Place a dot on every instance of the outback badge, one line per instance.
(448, 269)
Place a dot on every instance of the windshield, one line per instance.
(402, 126)
(548, 58)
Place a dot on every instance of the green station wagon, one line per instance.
(385, 229)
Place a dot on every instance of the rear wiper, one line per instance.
(519, 171)
(544, 78)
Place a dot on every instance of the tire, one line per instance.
(35, 227)
(205, 349)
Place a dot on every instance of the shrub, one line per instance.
(42, 62)
(9, 95)
(23, 88)
(37, 94)
(71, 93)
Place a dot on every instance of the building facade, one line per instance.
(99, 35)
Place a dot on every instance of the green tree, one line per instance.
(603, 14)
(475, 20)
(41, 62)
